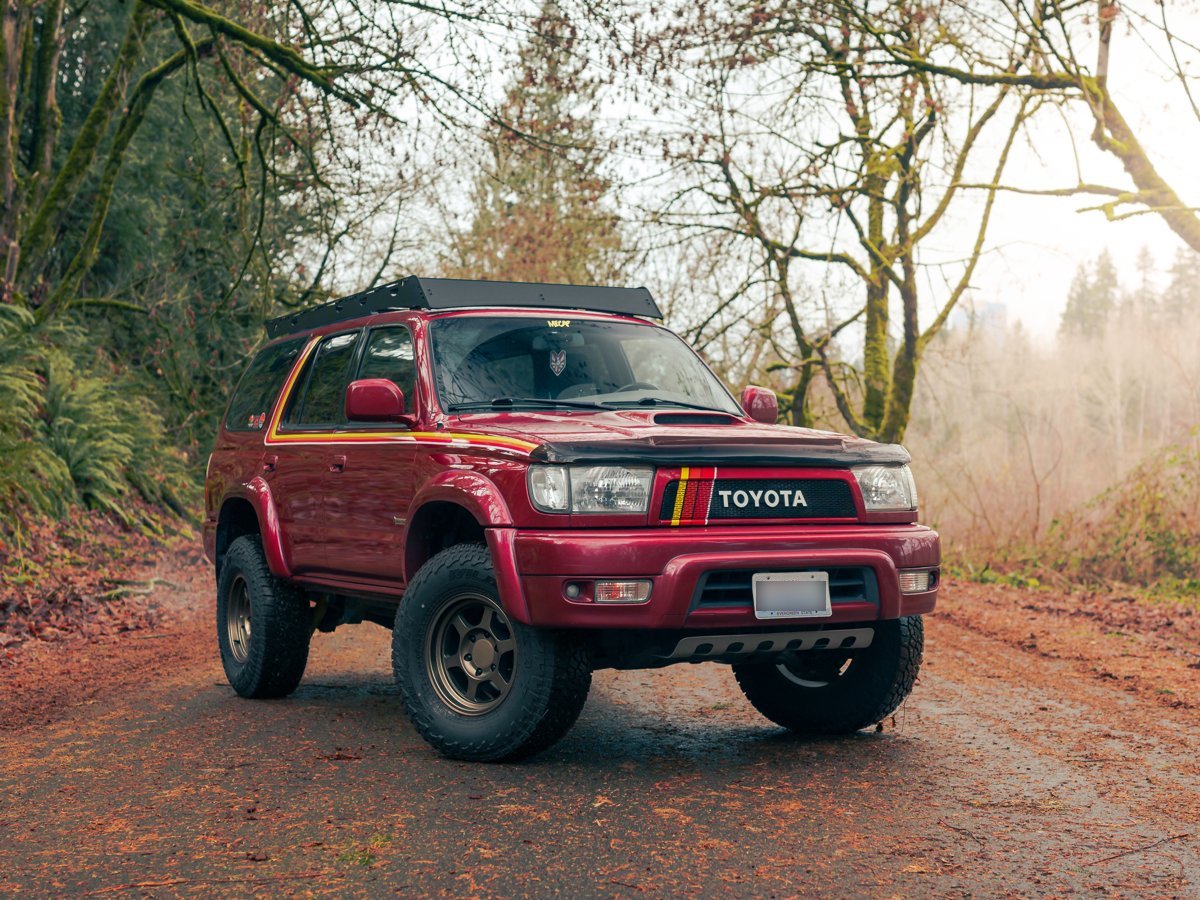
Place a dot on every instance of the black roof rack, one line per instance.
(456, 293)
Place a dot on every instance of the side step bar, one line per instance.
(718, 645)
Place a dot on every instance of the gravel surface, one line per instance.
(1048, 749)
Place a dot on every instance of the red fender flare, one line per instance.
(258, 492)
(482, 499)
(476, 494)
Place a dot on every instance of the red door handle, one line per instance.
(269, 463)
(337, 464)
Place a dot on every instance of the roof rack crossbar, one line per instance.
(454, 293)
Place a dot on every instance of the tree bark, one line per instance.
(1113, 134)
(43, 229)
(13, 16)
(47, 118)
(139, 102)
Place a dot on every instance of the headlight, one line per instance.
(548, 488)
(590, 489)
(886, 488)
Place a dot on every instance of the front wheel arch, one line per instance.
(436, 526)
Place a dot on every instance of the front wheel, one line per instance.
(476, 684)
(832, 692)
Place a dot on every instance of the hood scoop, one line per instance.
(694, 418)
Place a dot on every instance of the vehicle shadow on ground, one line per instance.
(628, 719)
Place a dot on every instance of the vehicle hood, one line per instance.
(676, 437)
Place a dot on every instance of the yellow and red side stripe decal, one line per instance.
(692, 496)
(377, 437)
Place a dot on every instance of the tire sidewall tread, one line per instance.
(887, 671)
(550, 685)
(281, 625)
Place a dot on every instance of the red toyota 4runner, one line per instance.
(526, 482)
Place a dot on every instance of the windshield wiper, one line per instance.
(663, 401)
(509, 402)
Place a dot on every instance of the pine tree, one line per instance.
(1075, 317)
(1181, 300)
(1142, 301)
(540, 212)
(1105, 291)
(1092, 299)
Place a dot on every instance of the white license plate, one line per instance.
(791, 595)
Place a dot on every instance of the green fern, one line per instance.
(32, 477)
(111, 439)
(84, 426)
(73, 432)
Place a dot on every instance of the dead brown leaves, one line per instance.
(85, 575)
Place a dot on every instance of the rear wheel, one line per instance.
(476, 684)
(263, 624)
(831, 692)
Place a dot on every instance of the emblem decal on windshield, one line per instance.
(558, 361)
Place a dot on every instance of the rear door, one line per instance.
(367, 504)
(307, 458)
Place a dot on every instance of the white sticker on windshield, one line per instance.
(558, 361)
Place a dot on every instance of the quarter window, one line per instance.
(256, 392)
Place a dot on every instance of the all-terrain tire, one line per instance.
(870, 689)
(549, 672)
(266, 658)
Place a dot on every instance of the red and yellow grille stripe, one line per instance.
(692, 496)
(274, 436)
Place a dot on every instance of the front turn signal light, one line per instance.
(916, 581)
(622, 591)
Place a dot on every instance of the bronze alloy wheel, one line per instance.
(471, 655)
(237, 620)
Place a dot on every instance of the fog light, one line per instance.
(914, 581)
(622, 591)
(573, 590)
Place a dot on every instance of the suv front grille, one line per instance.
(708, 500)
(730, 588)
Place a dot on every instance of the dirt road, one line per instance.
(1018, 766)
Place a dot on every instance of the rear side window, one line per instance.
(320, 395)
(256, 392)
(389, 355)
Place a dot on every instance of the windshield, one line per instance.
(484, 361)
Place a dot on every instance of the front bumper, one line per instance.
(533, 569)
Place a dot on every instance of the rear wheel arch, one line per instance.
(238, 518)
(251, 511)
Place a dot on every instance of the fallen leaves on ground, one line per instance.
(85, 575)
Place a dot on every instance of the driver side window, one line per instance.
(389, 354)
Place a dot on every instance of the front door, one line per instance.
(367, 504)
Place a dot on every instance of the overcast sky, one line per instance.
(1038, 241)
(1035, 243)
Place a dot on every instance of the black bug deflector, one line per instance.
(664, 451)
